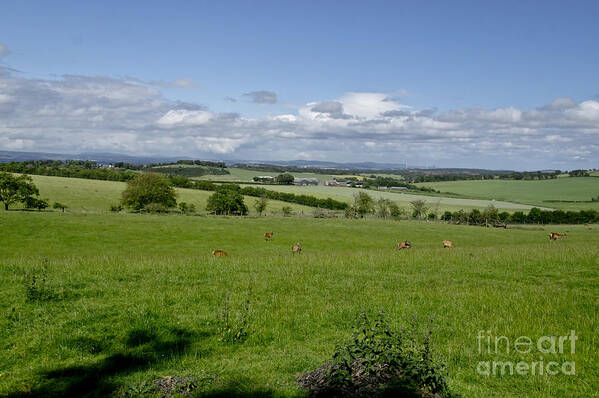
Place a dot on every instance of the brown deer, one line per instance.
(556, 236)
(404, 245)
(296, 248)
(219, 253)
(268, 236)
(447, 244)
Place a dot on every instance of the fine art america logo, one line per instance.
(544, 346)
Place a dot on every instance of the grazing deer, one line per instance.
(556, 236)
(448, 244)
(219, 253)
(404, 245)
(268, 236)
(296, 248)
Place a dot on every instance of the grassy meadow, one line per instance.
(546, 193)
(98, 303)
(128, 298)
(81, 195)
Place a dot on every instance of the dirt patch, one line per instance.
(170, 385)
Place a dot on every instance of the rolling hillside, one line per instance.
(403, 199)
(81, 195)
(546, 193)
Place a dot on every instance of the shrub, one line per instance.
(383, 208)
(395, 211)
(37, 287)
(363, 203)
(287, 211)
(321, 213)
(115, 208)
(419, 208)
(261, 205)
(60, 206)
(379, 361)
(351, 212)
(187, 208)
(155, 208)
(235, 329)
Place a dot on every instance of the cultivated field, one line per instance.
(403, 199)
(547, 193)
(129, 298)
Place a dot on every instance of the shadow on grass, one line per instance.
(144, 347)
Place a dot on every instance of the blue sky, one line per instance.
(463, 83)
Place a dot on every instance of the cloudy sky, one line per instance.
(453, 84)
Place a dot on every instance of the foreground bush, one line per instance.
(379, 362)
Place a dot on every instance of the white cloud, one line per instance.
(183, 117)
(369, 105)
(79, 113)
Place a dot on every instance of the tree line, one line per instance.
(69, 168)
(492, 217)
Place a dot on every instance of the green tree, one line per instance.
(383, 208)
(16, 189)
(395, 211)
(285, 179)
(491, 215)
(287, 211)
(261, 205)
(363, 203)
(227, 201)
(60, 206)
(419, 208)
(187, 208)
(148, 188)
(35, 203)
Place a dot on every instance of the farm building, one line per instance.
(338, 182)
(305, 181)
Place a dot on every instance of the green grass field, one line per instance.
(529, 192)
(130, 298)
(403, 199)
(94, 196)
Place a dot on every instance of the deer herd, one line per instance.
(406, 244)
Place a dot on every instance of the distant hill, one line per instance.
(100, 157)
(109, 157)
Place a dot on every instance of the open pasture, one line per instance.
(81, 195)
(130, 298)
(546, 193)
